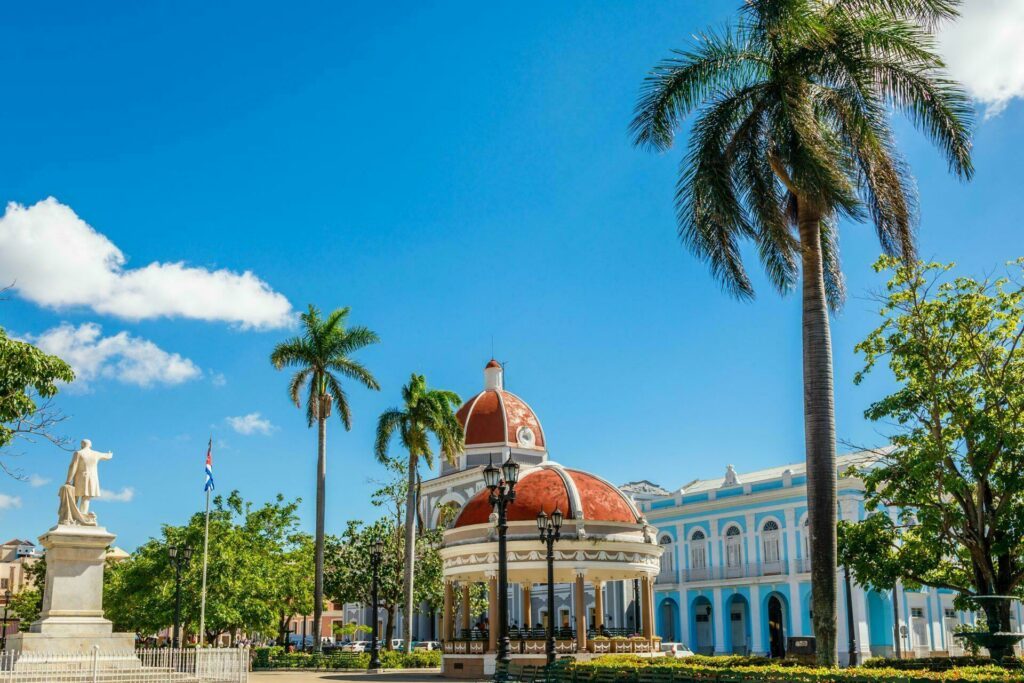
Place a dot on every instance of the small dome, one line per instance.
(579, 495)
(496, 417)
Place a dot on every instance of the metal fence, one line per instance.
(163, 665)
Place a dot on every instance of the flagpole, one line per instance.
(202, 601)
(206, 545)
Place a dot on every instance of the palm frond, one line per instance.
(676, 86)
(388, 422)
(340, 400)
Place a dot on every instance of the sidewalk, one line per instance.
(398, 676)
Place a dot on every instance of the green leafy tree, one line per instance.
(793, 134)
(252, 578)
(26, 605)
(322, 356)
(425, 412)
(28, 380)
(954, 474)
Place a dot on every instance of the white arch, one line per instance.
(450, 497)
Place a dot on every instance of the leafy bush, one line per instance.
(941, 663)
(621, 669)
(277, 658)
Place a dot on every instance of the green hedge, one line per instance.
(940, 663)
(277, 658)
(625, 669)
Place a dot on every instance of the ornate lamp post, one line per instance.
(3, 633)
(180, 557)
(550, 531)
(375, 557)
(851, 633)
(502, 483)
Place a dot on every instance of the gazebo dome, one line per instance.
(496, 417)
(579, 495)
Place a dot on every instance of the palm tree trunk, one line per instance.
(321, 479)
(819, 437)
(410, 550)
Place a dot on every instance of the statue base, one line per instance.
(71, 620)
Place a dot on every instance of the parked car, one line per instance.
(426, 645)
(676, 650)
(397, 643)
(356, 646)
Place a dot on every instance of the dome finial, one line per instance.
(493, 373)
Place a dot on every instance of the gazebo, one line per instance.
(603, 539)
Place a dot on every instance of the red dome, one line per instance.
(577, 494)
(499, 417)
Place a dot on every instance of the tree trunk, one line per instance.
(389, 629)
(321, 479)
(819, 437)
(410, 551)
(997, 616)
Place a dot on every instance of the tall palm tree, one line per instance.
(425, 412)
(794, 133)
(323, 355)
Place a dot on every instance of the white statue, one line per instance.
(83, 484)
(730, 477)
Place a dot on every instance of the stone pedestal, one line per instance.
(72, 616)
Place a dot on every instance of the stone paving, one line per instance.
(406, 676)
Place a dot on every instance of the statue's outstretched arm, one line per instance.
(106, 456)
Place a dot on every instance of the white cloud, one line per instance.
(9, 502)
(250, 424)
(57, 260)
(36, 480)
(218, 379)
(984, 50)
(125, 495)
(122, 357)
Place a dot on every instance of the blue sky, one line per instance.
(455, 173)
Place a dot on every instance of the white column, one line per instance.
(712, 542)
(795, 605)
(757, 646)
(790, 539)
(720, 617)
(750, 557)
(860, 621)
(684, 619)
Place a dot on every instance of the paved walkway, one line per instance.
(406, 676)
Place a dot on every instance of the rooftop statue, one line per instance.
(83, 484)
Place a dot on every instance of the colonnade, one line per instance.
(456, 616)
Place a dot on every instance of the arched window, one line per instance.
(698, 555)
(668, 562)
(770, 555)
(733, 552)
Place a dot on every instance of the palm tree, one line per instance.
(323, 355)
(426, 411)
(793, 133)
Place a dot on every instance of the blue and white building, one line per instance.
(735, 573)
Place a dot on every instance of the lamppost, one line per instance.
(3, 633)
(502, 483)
(180, 557)
(550, 531)
(852, 639)
(375, 557)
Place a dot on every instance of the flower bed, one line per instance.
(277, 658)
(625, 669)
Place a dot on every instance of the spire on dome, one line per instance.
(493, 376)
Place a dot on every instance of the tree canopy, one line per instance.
(260, 568)
(28, 379)
(952, 479)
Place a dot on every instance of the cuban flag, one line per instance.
(208, 486)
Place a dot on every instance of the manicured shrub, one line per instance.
(277, 658)
(692, 669)
(941, 663)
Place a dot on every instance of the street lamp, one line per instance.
(3, 633)
(502, 483)
(180, 557)
(375, 557)
(550, 531)
(850, 632)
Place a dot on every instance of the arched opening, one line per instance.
(733, 552)
(771, 555)
(739, 624)
(776, 626)
(667, 619)
(698, 556)
(667, 561)
(703, 626)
